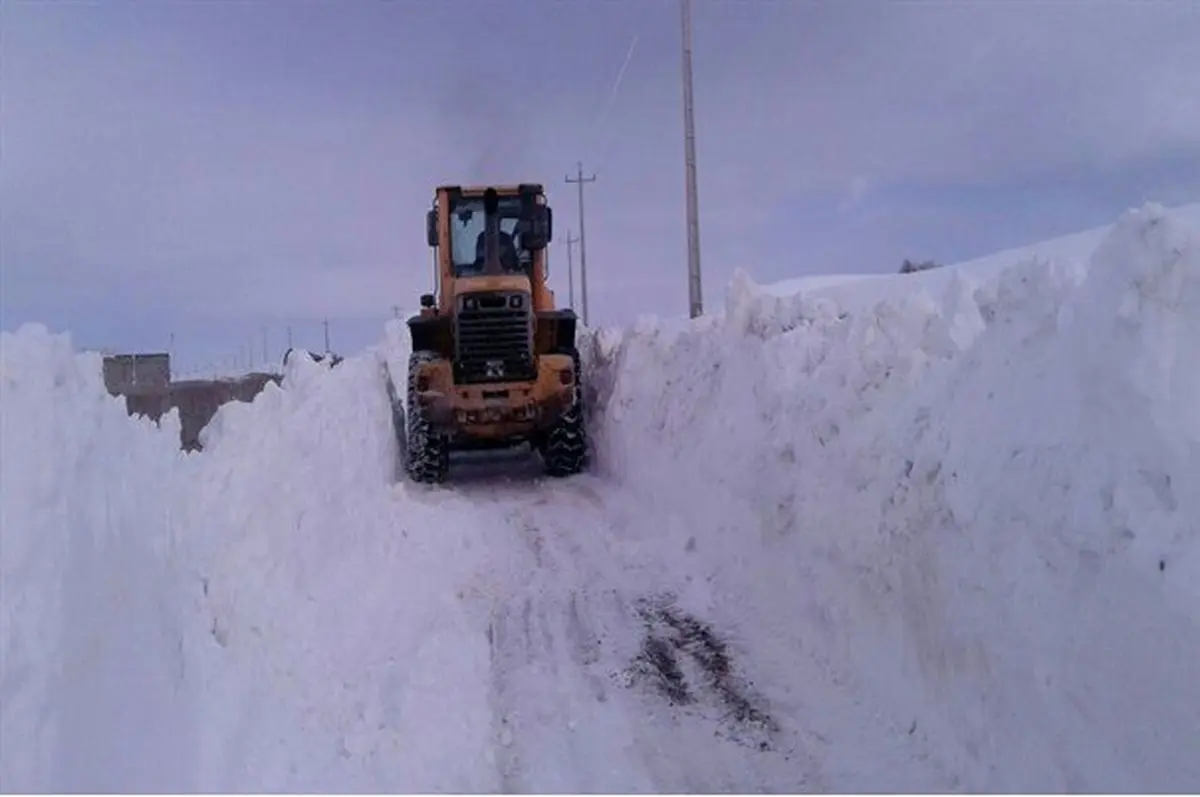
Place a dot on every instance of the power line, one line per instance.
(580, 180)
(571, 270)
(695, 302)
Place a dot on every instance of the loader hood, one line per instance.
(498, 282)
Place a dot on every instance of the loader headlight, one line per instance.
(470, 303)
(516, 301)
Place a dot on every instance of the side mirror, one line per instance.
(431, 228)
(427, 300)
(537, 227)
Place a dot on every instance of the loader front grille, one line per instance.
(493, 338)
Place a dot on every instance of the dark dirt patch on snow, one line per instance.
(685, 661)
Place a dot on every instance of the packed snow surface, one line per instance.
(929, 532)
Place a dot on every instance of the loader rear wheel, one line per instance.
(564, 447)
(427, 457)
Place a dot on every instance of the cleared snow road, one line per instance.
(603, 677)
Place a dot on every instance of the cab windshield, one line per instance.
(467, 246)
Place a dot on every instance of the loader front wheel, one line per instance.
(564, 446)
(427, 457)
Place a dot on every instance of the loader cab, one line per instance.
(514, 220)
(468, 241)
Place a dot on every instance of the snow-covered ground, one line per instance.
(920, 532)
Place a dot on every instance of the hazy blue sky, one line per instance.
(210, 167)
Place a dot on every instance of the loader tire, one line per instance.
(427, 457)
(564, 447)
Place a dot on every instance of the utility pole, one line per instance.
(326, 335)
(695, 302)
(289, 334)
(571, 269)
(580, 180)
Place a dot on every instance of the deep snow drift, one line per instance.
(932, 531)
(976, 503)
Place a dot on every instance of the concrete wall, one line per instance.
(197, 400)
(137, 374)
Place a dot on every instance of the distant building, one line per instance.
(145, 382)
(138, 374)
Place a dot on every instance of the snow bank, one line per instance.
(272, 614)
(335, 653)
(968, 496)
(90, 641)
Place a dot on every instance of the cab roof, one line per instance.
(512, 189)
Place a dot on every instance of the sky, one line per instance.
(203, 177)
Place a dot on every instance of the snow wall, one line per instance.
(974, 492)
(233, 616)
(88, 605)
(967, 495)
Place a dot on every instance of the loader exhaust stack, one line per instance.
(491, 233)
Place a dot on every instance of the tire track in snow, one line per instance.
(721, 736)
(544, 647)
(562, 642)
(499, 644)
(554, 727)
